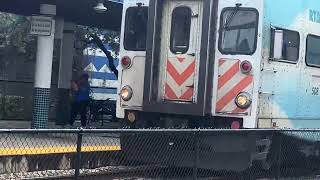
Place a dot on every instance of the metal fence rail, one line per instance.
(160, 154)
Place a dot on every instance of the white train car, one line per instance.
(222, 64)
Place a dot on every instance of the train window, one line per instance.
(180, 30)
(238, 31)
(290, 45)
(136, 29)
(313, 51)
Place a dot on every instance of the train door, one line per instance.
(238, 60)
(181, 50)
(177, 44)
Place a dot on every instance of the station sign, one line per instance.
(41, 25)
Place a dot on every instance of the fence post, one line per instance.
(78, 155)
(196, 155)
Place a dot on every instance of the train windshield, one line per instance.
(136, 29)
(239, 28)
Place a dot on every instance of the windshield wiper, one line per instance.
(231, 16)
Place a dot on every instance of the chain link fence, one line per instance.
(160, 154)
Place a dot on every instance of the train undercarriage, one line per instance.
(212, 147)
(212, 144)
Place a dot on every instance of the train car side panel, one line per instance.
(288, 86)
(132, 45)
(231, 81)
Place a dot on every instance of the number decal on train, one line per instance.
(315, 91)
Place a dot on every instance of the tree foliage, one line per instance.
(99, 38)
(112, 38)
(15, 41)
(14, 36)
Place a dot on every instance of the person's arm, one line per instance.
(74, 86)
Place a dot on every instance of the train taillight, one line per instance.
(246, 67)
(235, 125)
(126, 62)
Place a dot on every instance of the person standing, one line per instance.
(81, 98)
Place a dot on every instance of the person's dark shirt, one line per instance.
(83, 93)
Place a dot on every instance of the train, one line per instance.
(222, 64)
(103, 82)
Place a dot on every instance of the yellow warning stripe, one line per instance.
(54, 150)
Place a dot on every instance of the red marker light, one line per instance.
(126, 62)
(235, 125)
(245, 67)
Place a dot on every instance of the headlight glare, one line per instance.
(243, 100)
(126, 93)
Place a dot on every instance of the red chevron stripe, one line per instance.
(221, 62)
(181, 59)
(234, 69)
(239, 110)
(225, 100)
(188, 94)
(170, 94)
(180, 78)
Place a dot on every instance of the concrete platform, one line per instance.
(14, 124)
(40, 152)
(37, 144)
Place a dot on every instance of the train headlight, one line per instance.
(243, 100)
(126, 93)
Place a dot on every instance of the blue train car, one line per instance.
(289, 90)
(103, 81)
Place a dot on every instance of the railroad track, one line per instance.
(157, 172)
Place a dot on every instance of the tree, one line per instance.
(15, 40)
(100, 37)
(100, 44)
(14, 35)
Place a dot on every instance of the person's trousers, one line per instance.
(79, 108)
